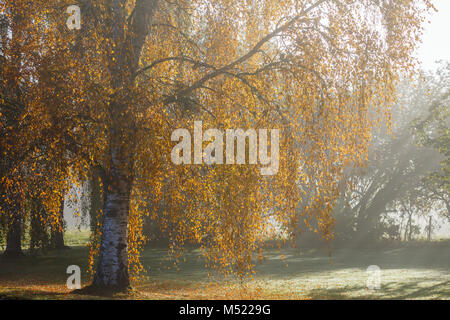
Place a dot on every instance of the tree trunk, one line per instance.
(14, 238)
(39, 238)
(405, 237)
(57, 240)
(96, 197)
(410, 227)
(112, 268)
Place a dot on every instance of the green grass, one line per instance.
(420, 271)
(76, 237)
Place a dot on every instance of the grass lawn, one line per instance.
(413, 272)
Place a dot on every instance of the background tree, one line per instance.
(36, 143)
(405, 177)
(433, 131)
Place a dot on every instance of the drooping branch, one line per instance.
(256, 48)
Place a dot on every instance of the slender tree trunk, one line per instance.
(14, 238)
(405, 238)
(39, 237)
(57, 235)
(96, 197)
(410, 227)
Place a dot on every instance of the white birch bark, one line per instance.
(112, 269)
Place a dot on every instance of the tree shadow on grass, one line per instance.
(414, 290)
(390, 291)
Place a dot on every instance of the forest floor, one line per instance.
(419, 271)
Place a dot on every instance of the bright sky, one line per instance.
(436, 38)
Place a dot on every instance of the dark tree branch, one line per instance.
(199, 83)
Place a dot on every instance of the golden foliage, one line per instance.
(322, 72)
